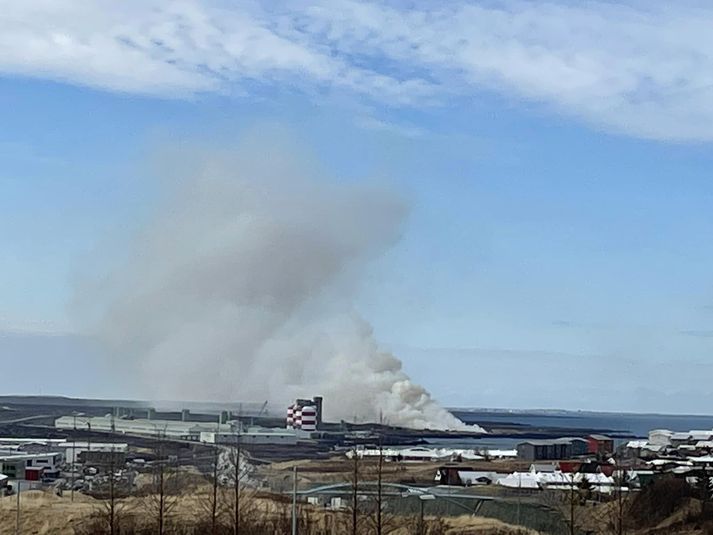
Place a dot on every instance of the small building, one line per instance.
(700, 435)
(545, 467)
(521, 481)
(642, 478)
(18, 465)
(660, 437)
(74, 450)
(103, 458)
(680, 438)
(456, 476)
(600, 444)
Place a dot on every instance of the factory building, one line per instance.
(252, 437)
(168, 428)
(102, 458)
(559, 448)
(75, 451)
(305, 414)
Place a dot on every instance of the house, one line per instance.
(678, 439)
(640, 449)
(600, 444)
(706, 445)
(660, 437)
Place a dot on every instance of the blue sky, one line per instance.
(556, 160)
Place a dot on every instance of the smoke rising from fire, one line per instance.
(240, 286)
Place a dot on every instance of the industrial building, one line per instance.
(74, 451)
(305, 414)
(545, 450)
(165, 428)
(102, 458)
(253, 436)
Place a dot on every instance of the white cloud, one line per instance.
(369, 122)
(643, 69)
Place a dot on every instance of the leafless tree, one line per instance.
(573, 502)
(380, 521)
(242, 502)
(620, 501)
(112, 507)
(236, 461)
(110, 516)
(161, 502)
(380, 489)
(353, 508)
(211, 504)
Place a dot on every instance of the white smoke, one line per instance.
(239, 287)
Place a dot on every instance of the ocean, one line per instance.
(618, 425)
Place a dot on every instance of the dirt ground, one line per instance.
(338, 469)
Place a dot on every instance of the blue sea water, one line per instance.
(637, 425)
(621, 425)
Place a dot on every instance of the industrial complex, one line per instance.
(79, 451)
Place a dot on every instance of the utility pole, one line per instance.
(237, 474)
(379, 490)
(17, 513)
(355, 491)
(294, 500)
(571, 504)
(74, 451)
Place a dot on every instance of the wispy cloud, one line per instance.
(9, 327)
(644, 69)
(699, 333)
(406, 130)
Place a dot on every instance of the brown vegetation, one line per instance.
(44, 513)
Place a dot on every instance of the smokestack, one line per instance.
(318, 405)
(151, 414)
(185, 415)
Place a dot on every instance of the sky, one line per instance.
(556, 158)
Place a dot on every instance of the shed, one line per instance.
(520, 480)
(544, 467)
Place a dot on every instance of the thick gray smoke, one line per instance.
(239, 288)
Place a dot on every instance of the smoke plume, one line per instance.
(240, 285)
